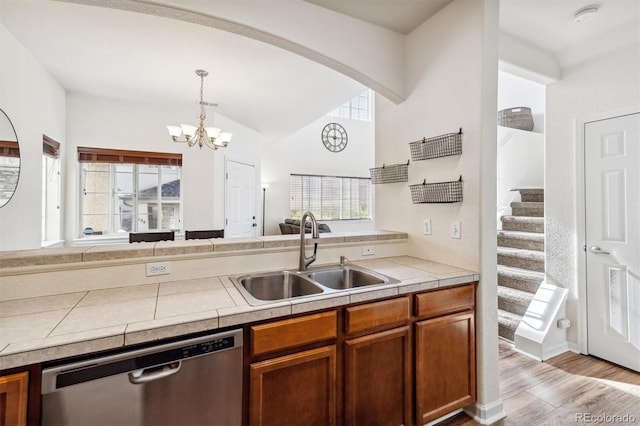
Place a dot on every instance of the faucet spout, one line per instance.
(304, 260)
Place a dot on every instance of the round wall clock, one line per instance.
(334, 137)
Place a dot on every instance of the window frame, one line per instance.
(112, 158)
(50, 187)
(353, 107)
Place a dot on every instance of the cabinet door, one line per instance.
(445, 365)
(378, 379)
(13, 399)
(296, 389)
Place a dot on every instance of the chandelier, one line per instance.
(212, 137)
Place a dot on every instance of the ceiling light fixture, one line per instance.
(585, 14)
(212, 137)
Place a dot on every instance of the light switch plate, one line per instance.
(426, 227)
(456, 231)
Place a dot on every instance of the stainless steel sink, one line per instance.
(347, 277)
(269, 287)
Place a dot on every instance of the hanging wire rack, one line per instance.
(438, 192)
(438, 146)
(390, 174)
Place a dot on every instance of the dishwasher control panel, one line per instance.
(207, 347)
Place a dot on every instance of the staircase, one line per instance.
(520, 259)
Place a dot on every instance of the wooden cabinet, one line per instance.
(294, 389)
(377, 376)
(291, 381)
(377, 365)
(445, 366)
(292, 333)
(14, 390)
(400, 361)
(20, 389)
(376, 316)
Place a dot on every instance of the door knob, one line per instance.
(597, 250)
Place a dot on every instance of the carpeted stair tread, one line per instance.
(535, 236)
(531, 260)
(527, 208)
(519, 279)
(530, 194)
(514, 301)
(507, 324)
(521, 258)
(522, 240)
(523, 223)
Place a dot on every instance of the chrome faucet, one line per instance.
(304, 260)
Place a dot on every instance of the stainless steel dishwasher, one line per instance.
(190, 382)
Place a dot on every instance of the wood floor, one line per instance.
(563, 391)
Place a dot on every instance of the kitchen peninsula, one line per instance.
(61, 303)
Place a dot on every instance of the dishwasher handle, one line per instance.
(146, 375)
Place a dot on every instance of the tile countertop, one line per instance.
(52, 327)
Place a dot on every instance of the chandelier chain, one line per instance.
(203, 114)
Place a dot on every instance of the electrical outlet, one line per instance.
(426, 227)
(158, 268)
(456, 229)
(368, 250)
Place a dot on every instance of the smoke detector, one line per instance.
(585, 14)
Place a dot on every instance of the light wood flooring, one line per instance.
(560, 390)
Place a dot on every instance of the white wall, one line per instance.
(35, 103)
(451, 67)
(521, 58)
(106, 123)
(443, 74)
(603, 85)
(304, 153)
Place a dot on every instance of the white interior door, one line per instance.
(612, 201)
(240, 204)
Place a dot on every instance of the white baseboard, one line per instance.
(556, 350)
(574, 347)
(486, 414)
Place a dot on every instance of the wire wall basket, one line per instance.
(516, 118)
(439, 192)
(438, 146)
(390, 174)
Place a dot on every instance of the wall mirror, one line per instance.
(9, 159)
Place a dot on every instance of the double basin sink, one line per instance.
(268, 287)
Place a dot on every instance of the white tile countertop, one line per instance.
(45, 328)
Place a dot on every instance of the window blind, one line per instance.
(115, 156)
(330, 197)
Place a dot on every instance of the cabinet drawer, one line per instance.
(378, 315)
(293, 332)
(440, 302)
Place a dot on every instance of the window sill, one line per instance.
(52, 244)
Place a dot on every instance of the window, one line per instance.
(50, 189)
(330, 197)
(129, 191)
(357, 108)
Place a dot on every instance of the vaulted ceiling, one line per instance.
(144, 58)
